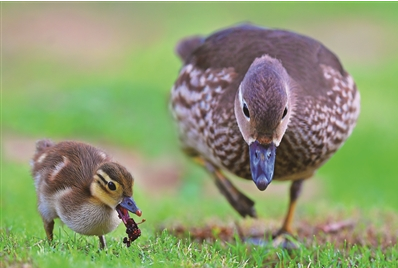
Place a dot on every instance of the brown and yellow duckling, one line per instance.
(82, 186)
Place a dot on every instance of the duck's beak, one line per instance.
(262, 162)
(129, 204)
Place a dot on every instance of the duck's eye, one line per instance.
(284, 113)
(246, 111)
(111, 186)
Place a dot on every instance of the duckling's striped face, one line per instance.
(111, 184)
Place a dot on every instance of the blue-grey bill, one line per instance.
(129, 204)
(262, 163)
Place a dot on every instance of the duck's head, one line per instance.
(263, 110)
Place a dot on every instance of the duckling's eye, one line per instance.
(284, 113)
(246, 111)
(111, 186)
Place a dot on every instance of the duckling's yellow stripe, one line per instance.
(102, 178)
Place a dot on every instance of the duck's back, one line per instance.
(237, 47)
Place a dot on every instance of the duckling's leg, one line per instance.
(240, 202)
(102, 241)
(295, 190)
(49, 227)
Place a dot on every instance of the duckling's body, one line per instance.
(79, 184)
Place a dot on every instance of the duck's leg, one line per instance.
(102, 241)
(240, 202)
(295, 190)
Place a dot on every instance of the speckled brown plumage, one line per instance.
(289, 68)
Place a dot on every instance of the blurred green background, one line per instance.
(102, 72)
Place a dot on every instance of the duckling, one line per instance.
(82, 186)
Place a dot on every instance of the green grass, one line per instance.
(115, 91)
(23, 239)
(168, 251)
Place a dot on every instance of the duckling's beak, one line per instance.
(262, 162)
(129, 204)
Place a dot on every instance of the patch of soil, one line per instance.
(342, 233)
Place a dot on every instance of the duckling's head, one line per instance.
(113, 185)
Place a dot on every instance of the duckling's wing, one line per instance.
(67, 164)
